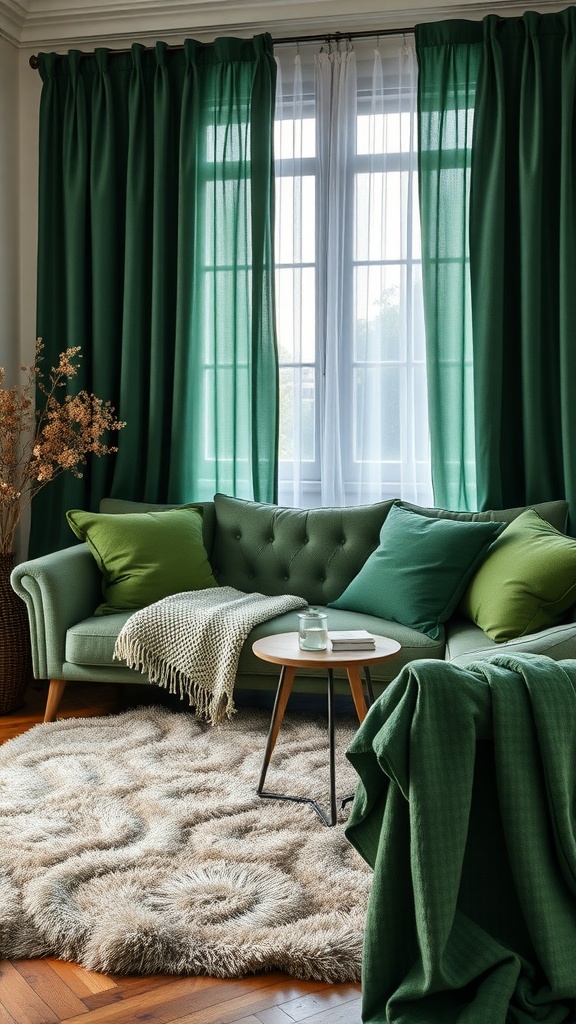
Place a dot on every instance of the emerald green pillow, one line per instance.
(144, 556)
(420, 569)
(527, 581)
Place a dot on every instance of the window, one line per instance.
(353, 410)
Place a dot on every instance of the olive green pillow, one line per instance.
(144, 556)
(527, 582)
(420, 569)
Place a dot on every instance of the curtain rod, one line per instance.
(321, 37)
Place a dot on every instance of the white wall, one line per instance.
(29, 108)
(9, 191)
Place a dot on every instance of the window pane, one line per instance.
(421, 451)
(225, 417)
(295, 139)
(362, 289)
(416, 235)
(384, 133)
(221, 343)
(418, 330)
(227, 226)
(295, 219)
(381, 201)
(377, 313)
(297, 413)
(454, 127)
(377, 439)
(295, 318)
(227, 142)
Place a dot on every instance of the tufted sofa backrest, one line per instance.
(312, 553)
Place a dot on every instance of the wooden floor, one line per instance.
(47, 991)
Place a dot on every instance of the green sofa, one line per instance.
(254, 547)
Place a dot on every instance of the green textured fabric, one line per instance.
(497, 136)
(113, 506)
(448, 58)
(420, 569)
(523, 259)
(472, 911)
(155, 256)
(144, 556)
(526, 583)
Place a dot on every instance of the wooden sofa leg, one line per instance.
(55, 691)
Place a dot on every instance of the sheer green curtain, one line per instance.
(448, 58)
(523, 260)
(155, 255)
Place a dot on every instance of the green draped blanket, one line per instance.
(465, 810)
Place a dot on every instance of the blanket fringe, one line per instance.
(190, 643)
(175, 681)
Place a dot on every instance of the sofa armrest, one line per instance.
(59, 589)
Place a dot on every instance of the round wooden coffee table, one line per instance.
(282, 649)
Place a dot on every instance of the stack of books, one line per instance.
(351, 640)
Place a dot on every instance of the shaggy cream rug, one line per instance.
(136, 843)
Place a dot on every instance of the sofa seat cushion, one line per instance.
(91, 642)
(414, 644)
(463, 636)
(466, 642)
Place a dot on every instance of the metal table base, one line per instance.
(280, 701)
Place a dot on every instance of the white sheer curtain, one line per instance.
(353, 417)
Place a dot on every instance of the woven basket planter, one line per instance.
(15, 650)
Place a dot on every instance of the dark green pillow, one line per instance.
(420, 569)
(144, 556)
(527, 582)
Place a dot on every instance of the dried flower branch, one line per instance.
(38, 445)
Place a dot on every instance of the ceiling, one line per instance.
(43, 23)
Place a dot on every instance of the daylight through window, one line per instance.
(353, 409)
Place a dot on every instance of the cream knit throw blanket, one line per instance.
(190, 643)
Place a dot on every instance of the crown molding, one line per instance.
(12, 20)
(65, 23)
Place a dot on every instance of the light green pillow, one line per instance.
(420, 569)
(144, 556)
(527, 581)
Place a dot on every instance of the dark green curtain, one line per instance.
(523, 260)
(521, 79)
(448, 59)
(155, 255)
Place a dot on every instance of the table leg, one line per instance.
(287, 674)
(368, 680)
(333, 810)
(282, 694)
(355, 681)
